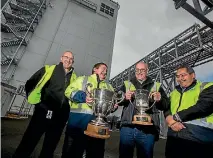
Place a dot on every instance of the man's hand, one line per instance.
(115, 106)
(177, 126)
(89, 100)
(128, 95)
(170, 121)
(156, 96)
(174, 125)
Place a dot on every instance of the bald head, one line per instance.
(142, 64)
(67, 59)
(67, 52)
(141, 70)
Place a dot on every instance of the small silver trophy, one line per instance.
(142, 98)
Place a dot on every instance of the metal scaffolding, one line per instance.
(196, 10)
(19, 19)
(194, 46)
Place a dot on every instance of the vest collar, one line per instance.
(180, 89)
(61, 67)
(95, 77)
(146, 82)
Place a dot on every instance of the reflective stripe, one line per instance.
(72, 94)
(155, 87)
(108, 87)
(201, 122)
(128, 86)
(84, 83)
(83, 111)
(80, 106)
(203, 85)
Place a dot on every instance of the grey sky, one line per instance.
(143, 26)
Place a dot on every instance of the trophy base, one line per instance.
(142, 120)
(97, 131)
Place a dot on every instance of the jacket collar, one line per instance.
(146, 82)
(95, 77)
(181, 90)
(61, 66)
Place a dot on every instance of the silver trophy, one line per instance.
(104, 101)
(103, 104)
(142, 98)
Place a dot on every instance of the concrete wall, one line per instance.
(67, 25)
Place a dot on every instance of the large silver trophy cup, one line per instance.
(142, 97)
(103, 104)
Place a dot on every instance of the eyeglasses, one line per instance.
(181, 75)
(139, 71)
(68, 58)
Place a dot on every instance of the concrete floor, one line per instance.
(12, 132)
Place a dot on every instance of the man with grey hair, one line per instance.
(190, 117)
(141, 136)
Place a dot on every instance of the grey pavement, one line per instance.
(12, 132)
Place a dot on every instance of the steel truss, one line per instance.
(18, 23)
(196, 10)
(194, 47)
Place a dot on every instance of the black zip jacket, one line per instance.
(52, 94)
(129, 110)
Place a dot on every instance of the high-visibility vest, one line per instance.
(131, 87)
(35, 95)
(189, 98)
(80, 84)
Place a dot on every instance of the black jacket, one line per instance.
(128, 109)
(52, 94)
(202, 109)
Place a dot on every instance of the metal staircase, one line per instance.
(19, 19)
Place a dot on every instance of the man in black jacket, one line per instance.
(141, 136)
(52, 112)
(190, 117)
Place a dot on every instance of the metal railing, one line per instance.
(26, 36)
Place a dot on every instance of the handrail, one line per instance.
(25, 35)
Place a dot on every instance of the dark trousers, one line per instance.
(131, 137)
(183, 148)
(39, 125)
(75, 145)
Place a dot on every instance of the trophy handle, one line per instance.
(119, 99)
(88, 92)
(153, 103)
(147, 108)
(86, 89)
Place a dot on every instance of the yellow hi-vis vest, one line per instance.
(131, 87)
(35, 95)
(188, 99)
(80, 84)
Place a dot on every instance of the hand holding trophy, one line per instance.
(142, 98)
(102, 102)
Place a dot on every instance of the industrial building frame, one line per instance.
(194, 47)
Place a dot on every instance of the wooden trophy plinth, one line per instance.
(142, 120)
(97, 131)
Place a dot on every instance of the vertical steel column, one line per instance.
(163, 125)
